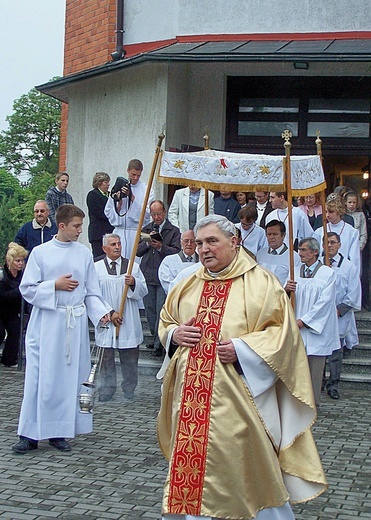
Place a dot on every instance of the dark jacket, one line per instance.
(268, 209)
(151, 258)
(30, 237)
(10, 297)
(55, 198)
(98, 222)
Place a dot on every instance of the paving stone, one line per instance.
(117, 472)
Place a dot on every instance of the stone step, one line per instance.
(358, 365)
(363, 350)
(358, 381)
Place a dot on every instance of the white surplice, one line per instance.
(277, 264)
(169, 269)
(57, 339)
(126, 226)
(349, 238)
(315, 305)
(300, 223)
(253, 239)
(348, 292)
(112, 287)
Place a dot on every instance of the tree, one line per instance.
(31, 143)
(9, 185)
(35, 190)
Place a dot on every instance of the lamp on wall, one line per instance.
(304, 65)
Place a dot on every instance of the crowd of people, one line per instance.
(206, 327)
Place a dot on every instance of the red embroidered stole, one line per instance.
(188, 462)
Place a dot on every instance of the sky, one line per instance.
(31, 43)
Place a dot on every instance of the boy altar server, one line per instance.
(61, 284)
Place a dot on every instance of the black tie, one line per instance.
(273, 252)
(189, 259)
(113, 268)
(156, 228)
(308, 272)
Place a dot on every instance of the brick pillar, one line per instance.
(89, 40)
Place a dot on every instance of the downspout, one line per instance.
(120, 52)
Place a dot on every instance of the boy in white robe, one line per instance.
(300, 224)
(252, 236)
(112, 275)
(61, 284)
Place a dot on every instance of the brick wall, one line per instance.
(89, 40)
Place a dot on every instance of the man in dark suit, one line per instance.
(263, 207)
(98, 222)
(163, 240)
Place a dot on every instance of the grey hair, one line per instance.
(107, 236)
(44, 202)
(313, 243)
(226, 226)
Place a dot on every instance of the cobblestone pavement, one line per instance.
(117, 472)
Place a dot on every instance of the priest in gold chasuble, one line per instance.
(237, 403)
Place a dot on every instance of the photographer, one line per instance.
(124, 206)
(160, 239)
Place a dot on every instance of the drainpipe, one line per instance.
(120, 52)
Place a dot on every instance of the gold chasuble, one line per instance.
(232, 455)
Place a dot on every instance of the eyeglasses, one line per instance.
(332, 242)
(188, 240)
(157, 214)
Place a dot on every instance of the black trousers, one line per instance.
(12, 325)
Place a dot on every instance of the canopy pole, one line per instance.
(140, 224)
(286, 135)
(206, 147)
(323, 204)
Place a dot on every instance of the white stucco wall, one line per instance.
(117, 117)
(153, 20)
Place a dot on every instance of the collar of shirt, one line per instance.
(279, 249)
(118, 263)
(194, 197)
(105, 193)
(261, 207)
(336, 260)
(312, 267)
(36, 225)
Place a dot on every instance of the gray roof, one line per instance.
(339, 50)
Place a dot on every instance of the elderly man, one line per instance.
(300, 223)
(37, 231)
(348, 300)
(188, 206)
(162, 239)
(57, 195)
(112, 276)
(172, 265)
(315, 309)
(123, 208)
(237, 402)
(275, 258)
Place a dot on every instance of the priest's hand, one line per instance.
(226, 351)
(66, 283)
(116, 319)
(129, 279)
(186, 334)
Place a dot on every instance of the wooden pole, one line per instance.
(323, 204)
(140, 224)
(286, 135)
(206, 147)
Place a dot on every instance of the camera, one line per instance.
(116, 192)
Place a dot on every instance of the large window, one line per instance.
(260, 108)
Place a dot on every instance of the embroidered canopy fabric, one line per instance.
(242, 172)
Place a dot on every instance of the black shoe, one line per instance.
(333, 393)
(24, 445)
(60, 444)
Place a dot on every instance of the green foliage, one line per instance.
(31, 143)
(9, 185)
(36, 190)
(8, 226)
